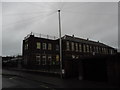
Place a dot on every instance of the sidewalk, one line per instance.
(57, 82)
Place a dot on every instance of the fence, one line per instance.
(41, 36)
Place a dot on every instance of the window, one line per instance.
(94, 49)
(77, 56)
(26, 46)
(44, 46)
(105, 50)
(97, 49)
(67, 46)
(44, 60)
(38, 61)
(102, 50)
(49, 59)
(38, 45)
(80, 47)
(76, 46)
(49, 46)
(87, 48)
(57, 59)
(111, 51)
(72, 44)
(73, 56)
(57, 47)
(84, 48)
(90, 48)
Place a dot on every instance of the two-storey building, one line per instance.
(43, 53)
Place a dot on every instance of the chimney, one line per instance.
(87, 39)
(73, 35)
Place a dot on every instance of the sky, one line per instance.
(97, 21)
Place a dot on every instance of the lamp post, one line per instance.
(60, 42)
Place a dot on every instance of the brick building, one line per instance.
(43, 53)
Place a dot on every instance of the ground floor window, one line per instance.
(49, 59)
(38, 59)
(57, 59)
(44, 60)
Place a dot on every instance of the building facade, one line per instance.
(43, 53)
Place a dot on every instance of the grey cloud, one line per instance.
(97, 21)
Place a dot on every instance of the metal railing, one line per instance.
(41, 36)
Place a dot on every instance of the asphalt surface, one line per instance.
(10, 81)
(19, 79)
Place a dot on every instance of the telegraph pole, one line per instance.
(60, 43)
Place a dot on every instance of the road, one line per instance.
(19, 79)
(10, 81)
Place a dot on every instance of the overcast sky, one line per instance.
(96, 21)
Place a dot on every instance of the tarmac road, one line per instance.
(19, 79)
(10, 81)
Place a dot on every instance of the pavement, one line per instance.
(56, 82)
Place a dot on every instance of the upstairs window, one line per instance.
(44, 46)
(57, 47)
(87, 48)
(111, 51)
(80, 47)
(67, 46)
(38, 45)
(72, 44)
(106, 50)
(94, 49)
(90, 48)
(84, 48)
(102, 50)
(97, 49)
(76, 47)
(49, 46)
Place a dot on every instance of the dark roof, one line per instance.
(74, 39)
(86, 41)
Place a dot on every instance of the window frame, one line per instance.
(49, 46)
(38, 44)
(44, 46)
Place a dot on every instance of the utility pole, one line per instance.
(60, 43)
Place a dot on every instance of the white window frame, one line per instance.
(43, 59)
(44, 46)
(38, 60)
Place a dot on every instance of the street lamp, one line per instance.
(60, 42)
